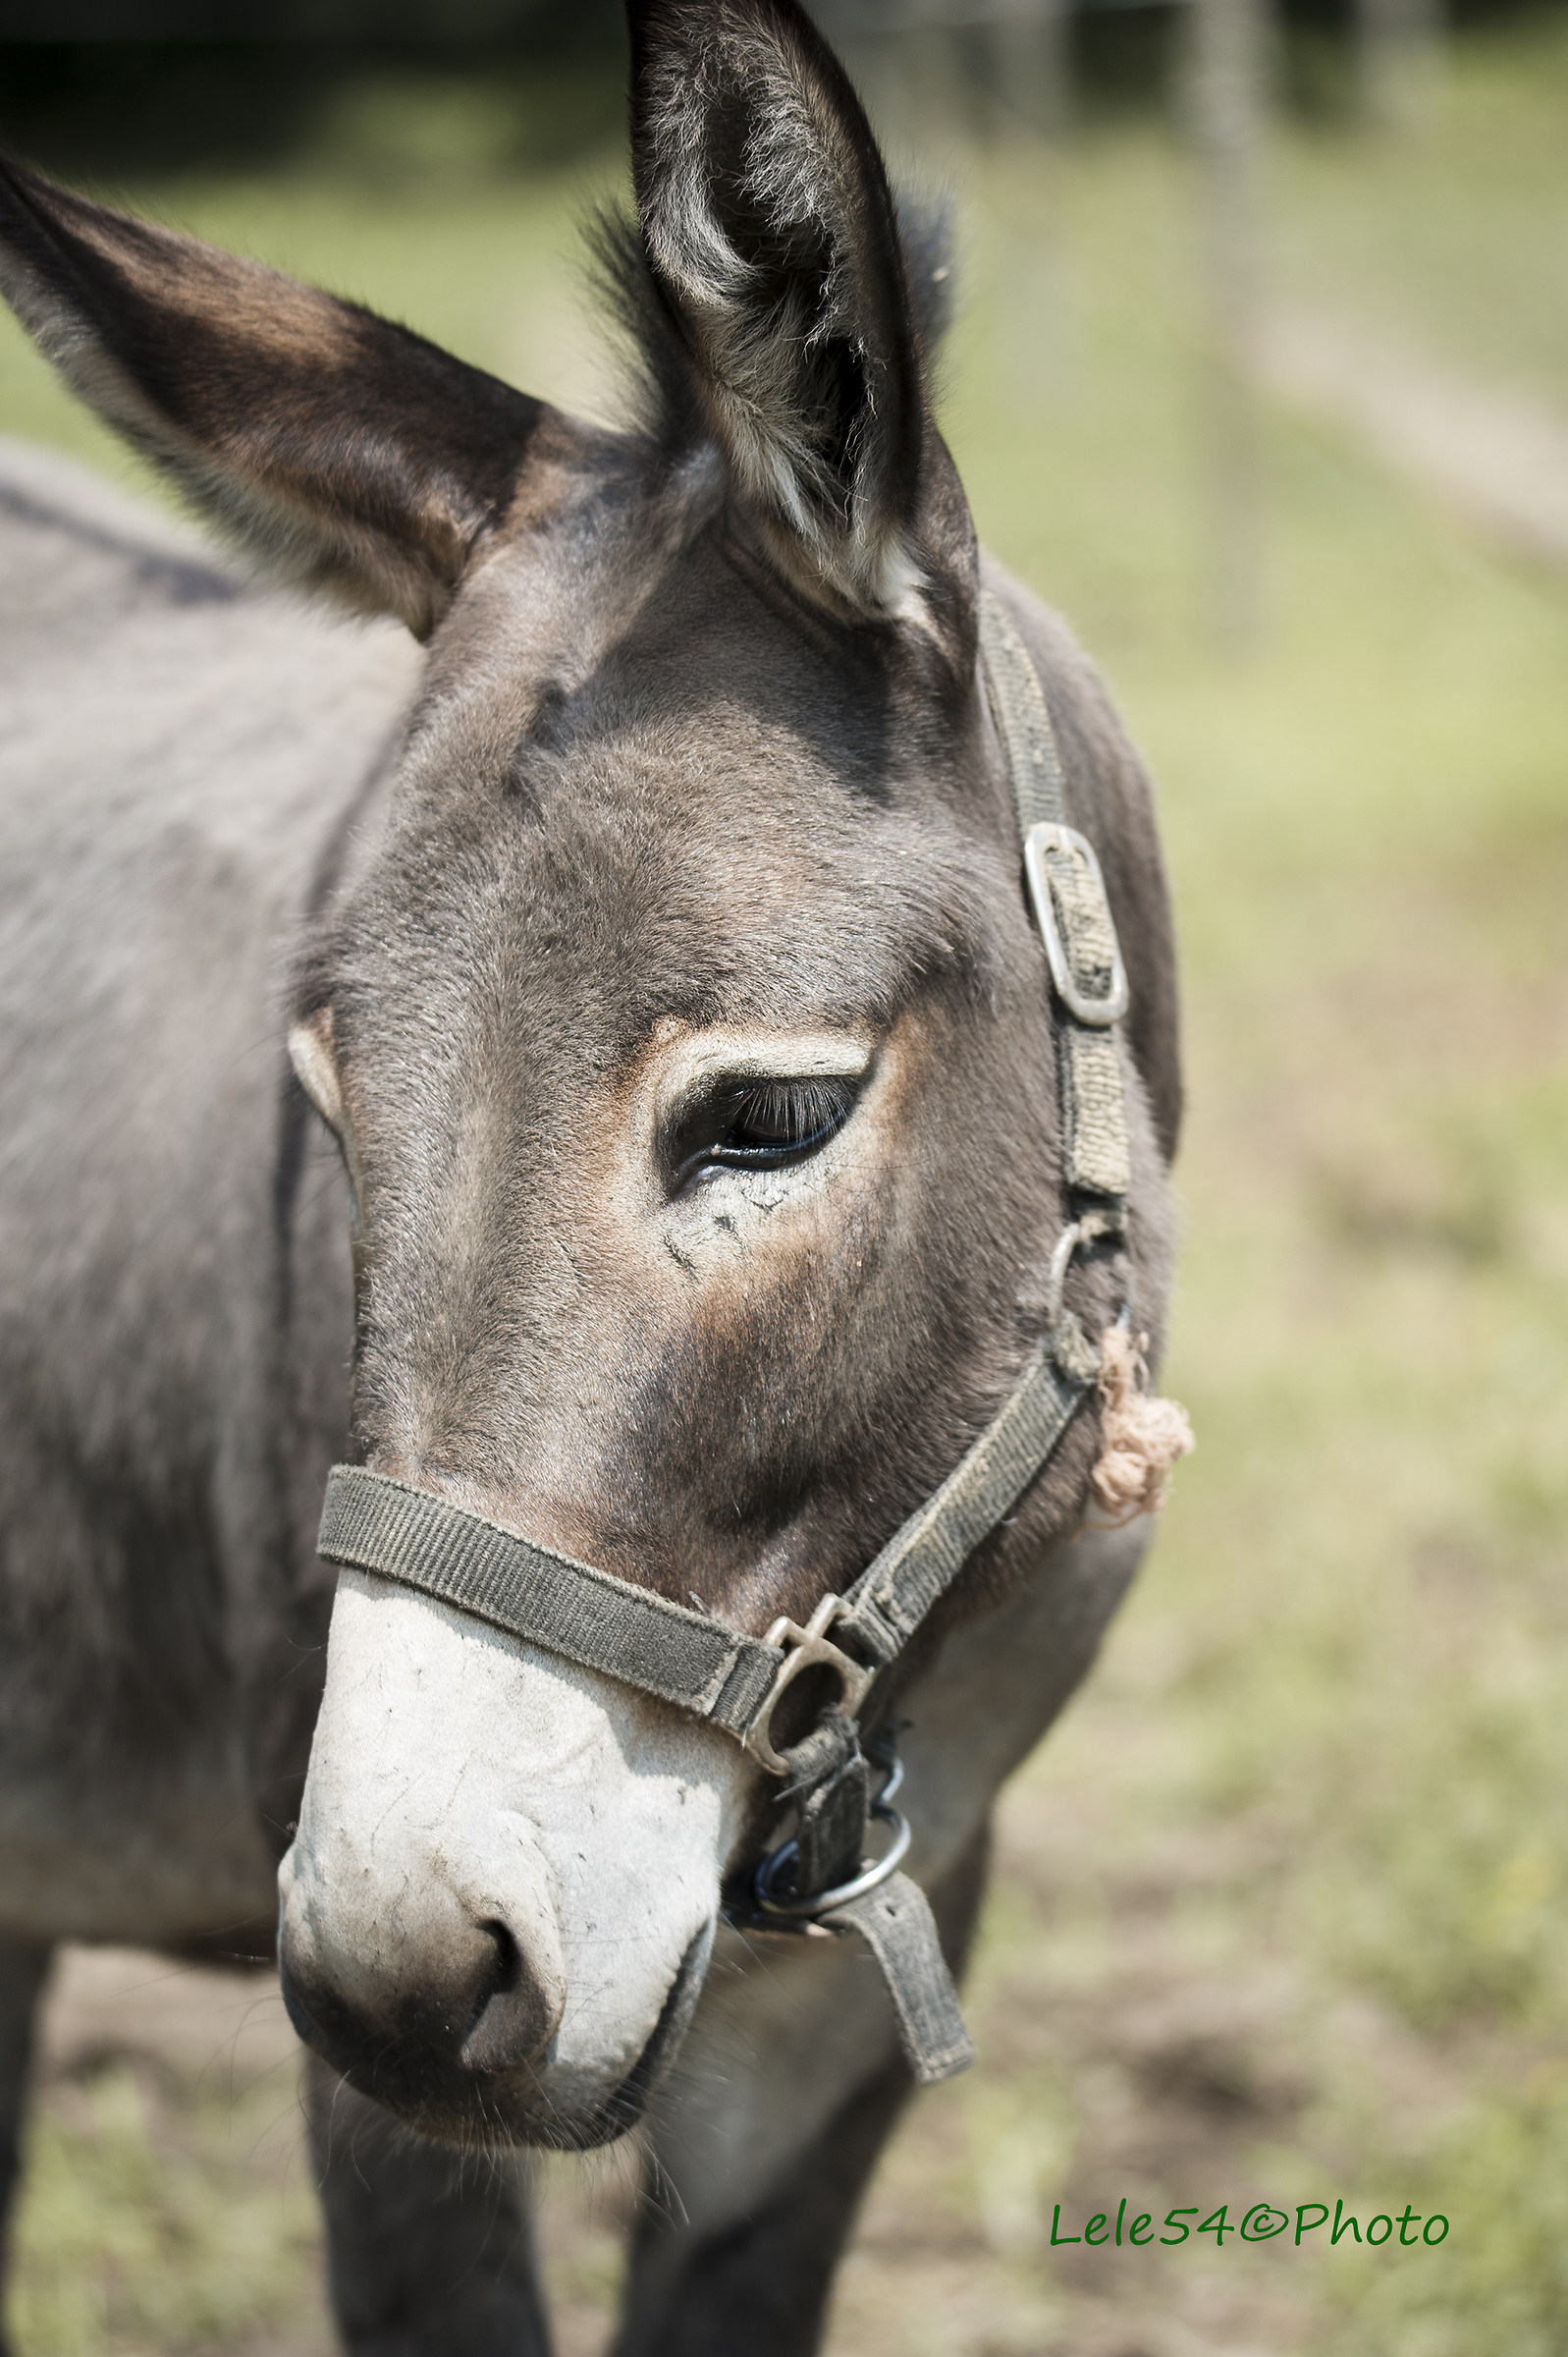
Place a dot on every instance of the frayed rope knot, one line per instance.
(1141, 1436)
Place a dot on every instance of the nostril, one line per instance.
(508, 1968)
(515, 2015)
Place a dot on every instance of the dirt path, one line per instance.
(1497, 455)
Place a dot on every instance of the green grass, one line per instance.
(163, 2217)
(1284, 1906)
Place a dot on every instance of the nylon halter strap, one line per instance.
(821, 1881)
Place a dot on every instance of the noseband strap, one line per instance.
(408, 1534)
(373, 1523)
(547, 1599)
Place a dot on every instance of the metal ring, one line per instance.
(1095, 1228)
(882, 1754)
(1067, 1243)
(822, 1902)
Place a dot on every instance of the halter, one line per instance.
(821, 1880)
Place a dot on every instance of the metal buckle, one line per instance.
(801, 1913)
(808, 1649)
(1049, 836)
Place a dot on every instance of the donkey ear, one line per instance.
(771, 234)
(345, 453)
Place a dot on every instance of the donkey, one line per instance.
(669, 1168)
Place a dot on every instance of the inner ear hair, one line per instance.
(341, 452)
(770, 234)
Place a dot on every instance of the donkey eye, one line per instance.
(758, 1126)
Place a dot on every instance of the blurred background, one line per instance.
(1261, 373)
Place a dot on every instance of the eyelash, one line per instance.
(760, 1125)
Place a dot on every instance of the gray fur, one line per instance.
(686, 759)
(176, 757)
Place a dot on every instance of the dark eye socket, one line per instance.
(759, 1125)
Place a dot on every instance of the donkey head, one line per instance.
(680, 1019)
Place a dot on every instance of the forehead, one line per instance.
(638, 765)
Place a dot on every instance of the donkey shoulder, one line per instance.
(179, 756)
(151, 695)
(76, 553)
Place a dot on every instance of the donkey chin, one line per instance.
(498, 1908)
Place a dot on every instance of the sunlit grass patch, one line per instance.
(155, 2219)
(1497, 2285)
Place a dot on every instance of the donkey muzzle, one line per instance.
(436, 1999)
(497, 1912)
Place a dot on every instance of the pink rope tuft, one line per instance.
(1141, 1435)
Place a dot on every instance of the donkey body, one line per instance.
(686, 1174)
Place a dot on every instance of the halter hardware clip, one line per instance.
(1093, 923)
(808, 1649)
(794, 1914)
